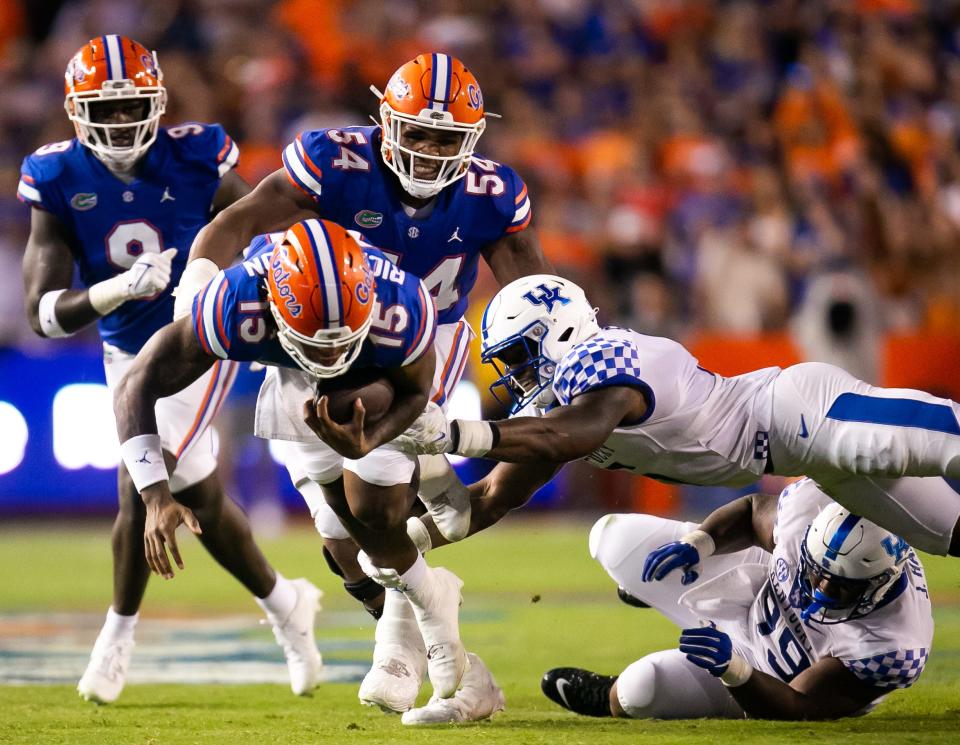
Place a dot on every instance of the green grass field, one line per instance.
(533, 600)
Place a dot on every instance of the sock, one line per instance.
(417, 577)
(117, 626)
(281, 601)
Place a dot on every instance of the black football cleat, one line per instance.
(579, 690)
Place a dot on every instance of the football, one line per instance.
(370, 385)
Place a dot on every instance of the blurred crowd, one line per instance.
(697, 164)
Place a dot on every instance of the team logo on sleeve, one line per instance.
(83, 201)
(548, 296)
(368, 219)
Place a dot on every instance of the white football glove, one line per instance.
(428, 435)
(195, 277)
(149, 275)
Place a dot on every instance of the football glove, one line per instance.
(711, 649)
(683, 554)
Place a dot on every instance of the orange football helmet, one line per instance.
(321, 296)
(434, 91)
(115, 68)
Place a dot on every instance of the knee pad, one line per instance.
(636, 688)
(327, 523)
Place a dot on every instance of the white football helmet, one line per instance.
(526, 330)
(848, 565)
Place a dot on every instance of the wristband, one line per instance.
(473, 439)
(47, 313)
(108, 295)
(702, 541)
(143, 457)
(419, 534)
(737, 673)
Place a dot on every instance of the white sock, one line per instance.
(117, 626)
(417, 577)
(281, 601)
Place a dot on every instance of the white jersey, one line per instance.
(887, 648)
(700, 428)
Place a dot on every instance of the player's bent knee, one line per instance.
(616, 537)
(636, 689)
(380, 514)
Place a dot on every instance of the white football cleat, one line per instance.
(478, 698)
(437, 608)
(399, 658)
(106, 672)
(295, 635)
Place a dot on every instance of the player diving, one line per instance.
(620, 399)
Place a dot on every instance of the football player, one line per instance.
(623, 400)
(321, 300)
(416, 188)
(791, 608)
(122, 202)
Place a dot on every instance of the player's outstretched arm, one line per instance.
(167, 364)
(745, 522)
(54, 310)
(275, 204)
(507, 487)
(564, 434)
(516, 255)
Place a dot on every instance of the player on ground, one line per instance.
(414, 186)
(318, 300)
(123, 201)
(814, 613)
(623, 400)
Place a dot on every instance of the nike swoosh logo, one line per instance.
(803, 427)
(561, 686)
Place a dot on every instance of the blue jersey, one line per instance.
(342, 170)
(232, 319)
(113, 223)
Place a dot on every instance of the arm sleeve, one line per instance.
(208, 145)
(521, 208)
(596, 364)
(890, 670)
(300, 160)
(426, 327)
(211, 322)
(38, 173)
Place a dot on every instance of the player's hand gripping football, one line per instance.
(347, 439)
(164, 516)
(149, 275)
(428, 435)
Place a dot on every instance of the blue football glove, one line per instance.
(677, 555)
(708, 648)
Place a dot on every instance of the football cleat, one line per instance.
(399, 658)
(479, 698)
(295, 635)
(579, 690)
(437, 608)
(102, 681)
